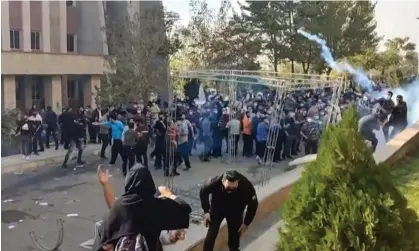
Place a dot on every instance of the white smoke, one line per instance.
(410, 93)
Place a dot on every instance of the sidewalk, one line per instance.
(49, 157)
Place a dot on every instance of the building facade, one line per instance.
(52, 51)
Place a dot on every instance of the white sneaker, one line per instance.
(27, 158)
(259, 160)
(23, 157)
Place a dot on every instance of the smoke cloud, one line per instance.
(410, 92)
(359, 75)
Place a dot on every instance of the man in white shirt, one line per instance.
(234, 133)
(182, 131)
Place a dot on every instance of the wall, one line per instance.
(50, 64)
(91, 39)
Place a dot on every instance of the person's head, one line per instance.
(140, 182)
(25, 116)
(182, 117)
(389, 95)
(399, 99)
(81, 109)
(112, 118)
(49, 108)
(161, 116)
(131, 125)
(230, 181)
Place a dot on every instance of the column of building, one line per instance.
(8, 81)
(90, 90)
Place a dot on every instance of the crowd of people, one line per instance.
(220, 126)
(146, 218)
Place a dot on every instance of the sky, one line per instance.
(395, 18)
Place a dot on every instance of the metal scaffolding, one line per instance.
(283, 84)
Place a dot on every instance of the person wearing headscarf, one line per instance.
(138, 212)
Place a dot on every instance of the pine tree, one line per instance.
(345, 201)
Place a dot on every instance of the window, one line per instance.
(14, 39)
(70, 42)
(70, 3)
(72, 89)
(37, 88)
(35, 40)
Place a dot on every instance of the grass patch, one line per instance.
(406, 178)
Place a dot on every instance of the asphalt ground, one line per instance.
(35, 200)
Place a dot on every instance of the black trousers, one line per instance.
(37, 141)
(160, 152)
(233, 140)
(74, 143)
(310, 147)
(105, 142)
(234, 221)
(116, 149)
(386, 128)
(289, 144)
(397, 129)
(247, 144)
(370, 136)
(128, 158)
(51, 132)
(93, 131)
(260, 148)
(278, 148)
(141, 153)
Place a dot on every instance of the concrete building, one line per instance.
(52, 51)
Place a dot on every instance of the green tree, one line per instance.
(262, 17)
(139, 46)
(345, 201)
(348, 27)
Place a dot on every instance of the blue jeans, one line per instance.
(208, 142)
(183, 151)
(190, 144)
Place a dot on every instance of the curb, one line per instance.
(36, 164)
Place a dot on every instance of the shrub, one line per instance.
(345, 201)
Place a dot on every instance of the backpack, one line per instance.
(314, 135)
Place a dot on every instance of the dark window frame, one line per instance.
(35, 40)
(14, 39)
(72, 89)
(71, 42)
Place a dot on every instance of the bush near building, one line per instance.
(345, 201)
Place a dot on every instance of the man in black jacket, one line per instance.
(74, 127)
(398, 117)
(230, 193)
(51, 121)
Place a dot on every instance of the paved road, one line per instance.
(78, 192)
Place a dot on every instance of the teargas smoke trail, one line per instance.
(360, 77)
